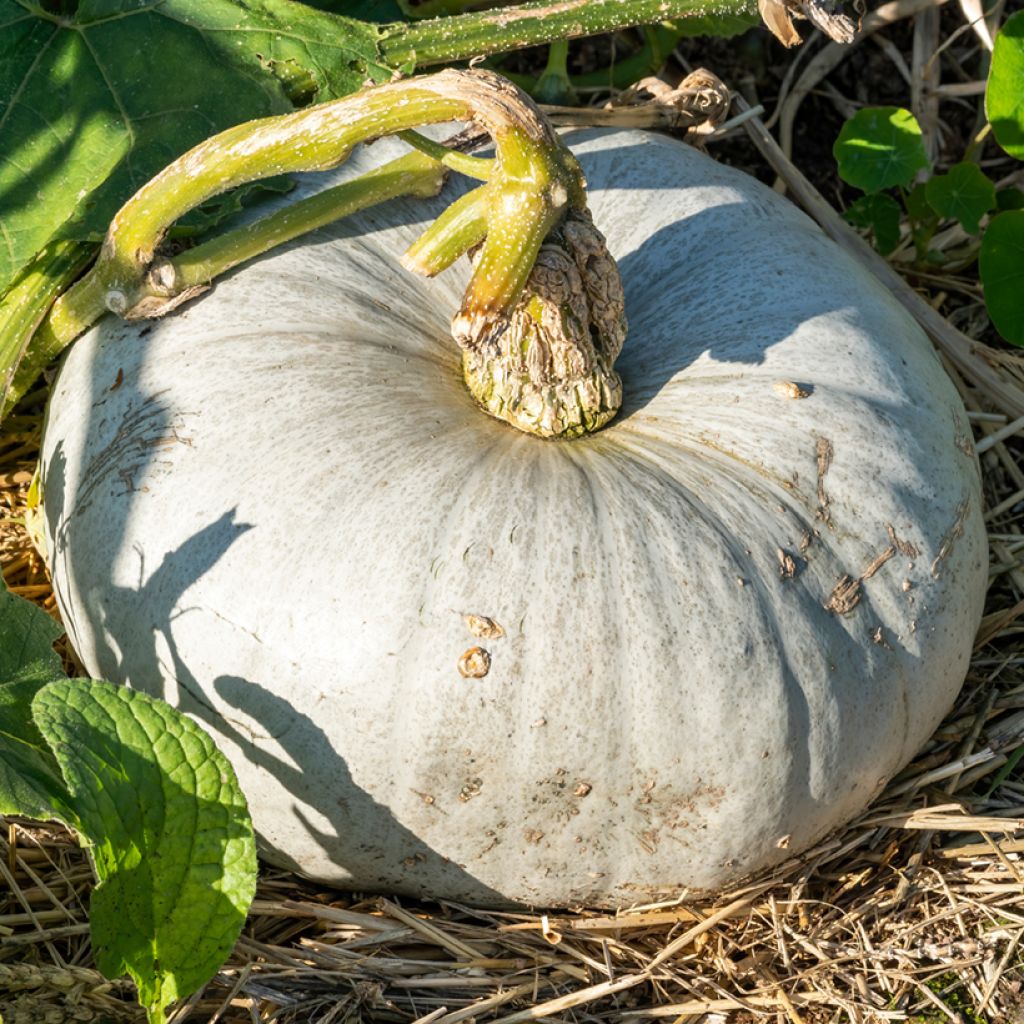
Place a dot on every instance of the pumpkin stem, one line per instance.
(461, 227)
(547, 368)
(175, 280)
(542, 320)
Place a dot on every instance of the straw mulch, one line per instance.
(914, 912)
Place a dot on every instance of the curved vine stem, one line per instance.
(476, 167)
(540, 358)
(24, 307)
(533, 182)
(173, 281)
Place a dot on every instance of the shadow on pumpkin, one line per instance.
(145, 654)
(378, 848)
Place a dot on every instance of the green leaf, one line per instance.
(1010, 199)
(880, 147)
(169, 831)
(1001, 262)
(881, 215)
(1004, 94)
(93, 105)
(964, 194)
(30, 782)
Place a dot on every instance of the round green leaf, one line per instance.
(1004, 95)
(965, 194)
(1002, 274)
(1010, 199)
(880, 147)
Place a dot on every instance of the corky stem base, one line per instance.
(547, 368)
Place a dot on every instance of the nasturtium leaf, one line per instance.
(1004, 93)
(1010, 199)
(94, 104)
(30, 782)
(1001, 263)
(881, 214)
(880, 147)
(964, 194)
(168, 829)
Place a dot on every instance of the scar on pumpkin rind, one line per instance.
(824, 453)
(846, 594)
(955, 532)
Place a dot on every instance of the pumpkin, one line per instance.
(450, 659)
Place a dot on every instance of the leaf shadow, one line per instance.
(135, 625)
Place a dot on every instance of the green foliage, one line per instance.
(880, 147)
(94, 102)
(1004, 93)
(923, 219)
(881, 214)
(93, 105)
(157, 804)
(1010, 199)
(964, 194)
(1002, 274)
(30, 780)
(169, 834)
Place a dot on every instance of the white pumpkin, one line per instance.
(708, 634)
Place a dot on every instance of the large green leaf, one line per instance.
(169, 831)
(1004, 94)
(1001, 263)
(30, 782)
(880, 147)
(93, 105)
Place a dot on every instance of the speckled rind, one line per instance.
(277, 508)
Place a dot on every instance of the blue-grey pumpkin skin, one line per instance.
(729, 617)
